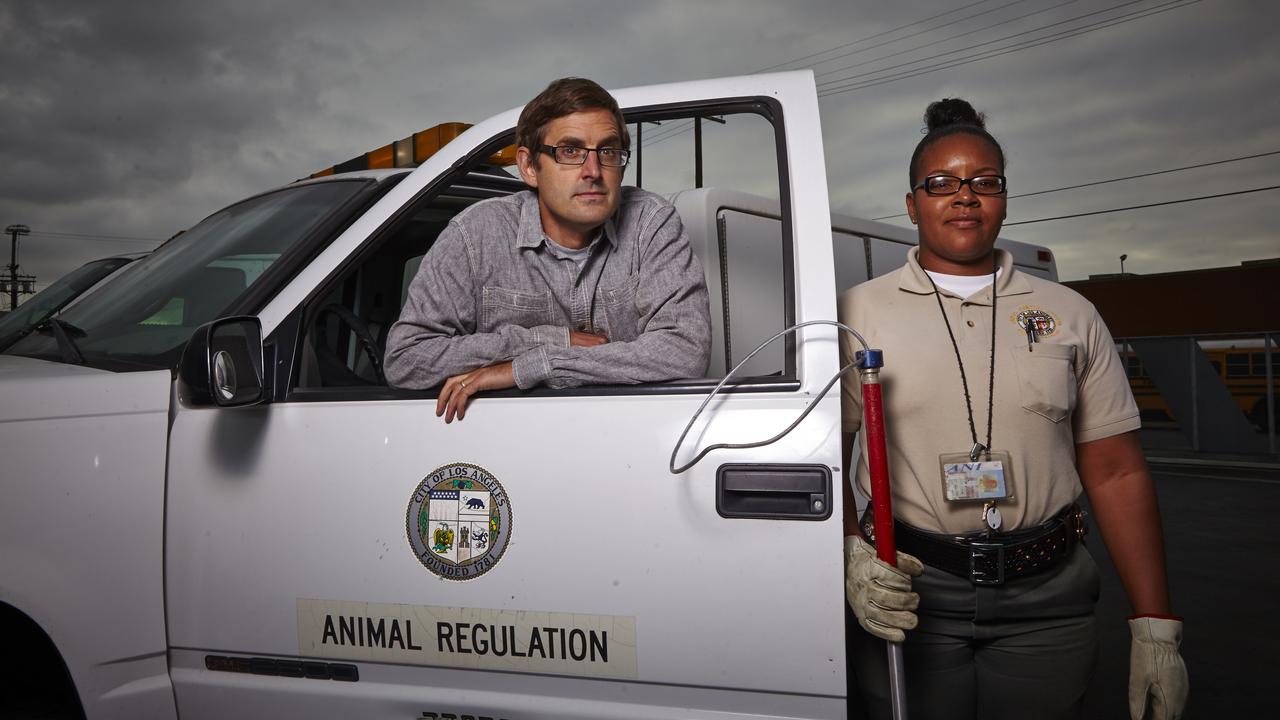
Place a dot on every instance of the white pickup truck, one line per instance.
(213, 505)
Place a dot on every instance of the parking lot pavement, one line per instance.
(1220, 523)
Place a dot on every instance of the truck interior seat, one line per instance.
(211, 292)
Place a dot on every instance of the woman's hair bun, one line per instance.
(952, 111)
(947, 117)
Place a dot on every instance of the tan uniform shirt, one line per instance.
(1069, 388)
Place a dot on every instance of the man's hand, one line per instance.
(1157, 674)
(879, 593)
(457, 390)
(585, 339)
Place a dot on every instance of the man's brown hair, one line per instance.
(565, 97)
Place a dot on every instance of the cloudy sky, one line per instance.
(122, 122)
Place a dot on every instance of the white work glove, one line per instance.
(880, 594)
(1156, 670)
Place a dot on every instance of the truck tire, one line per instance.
(35, 684)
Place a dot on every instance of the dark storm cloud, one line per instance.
(116, 99)
(139, 118)
(1175, 89)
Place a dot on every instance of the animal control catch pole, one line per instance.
(869, 363)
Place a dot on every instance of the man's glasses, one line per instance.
(574, 155)
(950, 184)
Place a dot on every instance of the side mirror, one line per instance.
(222, 364)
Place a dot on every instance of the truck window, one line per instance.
(735, 148)
(48, 301)
(144, 320)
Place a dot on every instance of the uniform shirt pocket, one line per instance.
(622, 317)
(1046, 379)
(500, 306)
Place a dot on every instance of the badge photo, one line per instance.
(988, 478)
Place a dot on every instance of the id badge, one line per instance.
(965, 480)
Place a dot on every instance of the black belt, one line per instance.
(991, 558)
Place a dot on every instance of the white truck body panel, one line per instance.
(82, 524)
(600, 527)
(573, 698)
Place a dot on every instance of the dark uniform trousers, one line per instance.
(1024, 650)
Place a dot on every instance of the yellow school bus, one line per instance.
(1242, 367)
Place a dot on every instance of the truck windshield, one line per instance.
(144, 317)
(51, 299)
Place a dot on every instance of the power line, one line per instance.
(83, 236)
(1127, 177)
(992, 54)
(836, 81)
(953, 37)
(988, 54)
(832, 89)
(669, 132)
(1148, 174)
(929, 30)
(1140, 207)
(684, 126)
(873, 36)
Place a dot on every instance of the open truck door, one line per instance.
(337, 550)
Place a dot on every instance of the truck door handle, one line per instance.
(780, 492)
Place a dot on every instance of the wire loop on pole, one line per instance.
(761, 443)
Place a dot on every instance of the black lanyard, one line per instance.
(978, 448)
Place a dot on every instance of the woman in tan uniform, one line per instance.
(1005, 398)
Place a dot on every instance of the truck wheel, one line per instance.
(35, 685)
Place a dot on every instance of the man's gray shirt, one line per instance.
(490, 290)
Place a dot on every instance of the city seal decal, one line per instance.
(459, 521)
(1042, 323)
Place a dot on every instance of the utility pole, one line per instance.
(14, 231)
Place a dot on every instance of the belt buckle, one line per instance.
(979, 553)
(1077, 524)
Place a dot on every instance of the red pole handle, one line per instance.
(878, 465)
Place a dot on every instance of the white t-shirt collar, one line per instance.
(964, 286)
